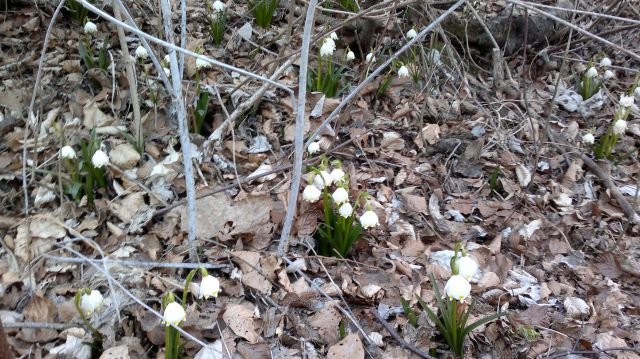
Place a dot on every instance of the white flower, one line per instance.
(619, 127)
(337, 174)
(141, 53)
(322, 180)
(340, 195)
(90, 28)
(89, 303)
(457, 288)
(209, 287)
(411, 34)
(328, 47)
(637, 91)
(467, 267)
(166, 59)
(311, 194)
(608, 74)
(591, 73)
(99, 159)
(370, 58)
(167, 71)
(350, 55)
(345, 210)
(313, 147)
(67, 152)
(218, 6)
(588, 139)
(333, 36)
(403, 71)
(369, 219)
(626, 101)
(605, 62)
(202, 64)
(174, 314)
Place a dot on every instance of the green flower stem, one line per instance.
(96, 335)
(185, 292)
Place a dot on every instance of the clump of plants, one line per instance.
(453, 311)
(263, 11)
(591, 80)
(88, 47)
(340, 229)
(327, 77)
(87, 302)
(216, 20)
(605, 145)
(201, 105)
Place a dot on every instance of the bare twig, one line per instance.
(380, 68)
(35, 325)
(591, 13)
(299, 131)
(566, 354)
(139, 264)
(395, 336)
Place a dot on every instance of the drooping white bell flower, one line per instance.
(166, 59)
(411, 34)
(350, 55)
(346, 210)
(592, 72)
(608, 74)
(218, 6)
(202, 64)
(90, 28)
(167, 71)
(311, 194)
(333, 36)
(209, 287)
(467, 267)
(457, 288)
(313, 147)
(340, 195)
(67, 152)
(99, 159)
(605, 62)
(322, 180)
(328, 47)
(588, 139)
(89, 303)
(403, 71)
(626, 101)
(337, 174)
(370, 58)
(369, 219)
(619, 127)
(174, 314)
(636, 92)
(141, 53)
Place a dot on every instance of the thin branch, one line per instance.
(560, 355)
(395, 336)
(35, 325)
(139, 264)
(592, 13)
(381, 68)
(299, 131)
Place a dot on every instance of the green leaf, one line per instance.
(482, 321)
(413, 320)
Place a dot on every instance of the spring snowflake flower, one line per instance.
(337, 174)
(619, 127)
(328, 47)
(202, 64)
(313, 147)
(457, 288)
(209, 287)
(626, 101)
(350, 55)
(141, 53)
(67, 152)
(340, 195)
(636, 92)
(333, 36)
(588, 139)
(99, 159)
(311, 194)
(167, 71)
(608, 74)
(369, 219)
(90, 28)
(605, 62)
(467, 267)
(592, 72)
(411, 34)
(346, 210)
(403, 71)
(370, 58)
(322, 180)
(166, 59)
(218, 6)
(89, 303)
(174, 314)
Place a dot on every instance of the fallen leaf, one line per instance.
(348, 348)
(239, 317)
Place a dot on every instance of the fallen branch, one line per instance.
(400, 341)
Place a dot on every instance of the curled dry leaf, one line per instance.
(576, 308)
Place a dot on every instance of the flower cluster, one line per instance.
(591, 80)
(618, 127)
(209, 287)
(463, 268)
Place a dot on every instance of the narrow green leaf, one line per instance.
(482, 321)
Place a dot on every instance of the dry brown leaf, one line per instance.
(39, 309)
(44, 230)
(239, 317)
(118, 352)
(326, 321)
(608, 340)
(254, 275)
(348, 348)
